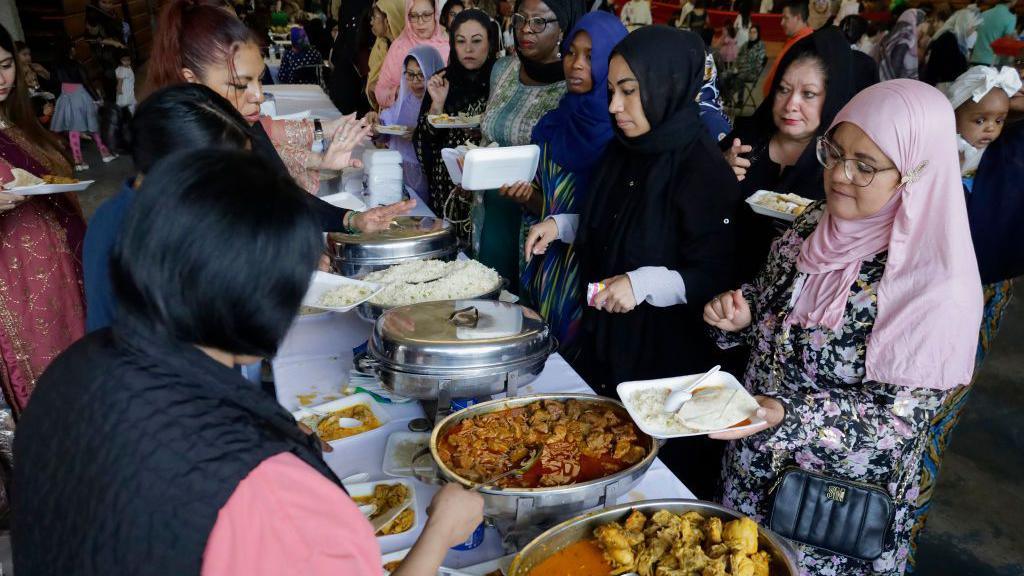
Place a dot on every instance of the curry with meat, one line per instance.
(329, 429)
(689, 544)
(577, 441)
(386, 497)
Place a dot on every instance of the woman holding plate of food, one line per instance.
(849, 357)
(461, 89)
(42, 302)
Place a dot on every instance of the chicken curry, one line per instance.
(577, 442)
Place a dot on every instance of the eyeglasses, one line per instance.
(414, 76)
(536, 24)
(421, 16)
(858, 172)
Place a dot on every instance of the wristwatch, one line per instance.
(318, 134)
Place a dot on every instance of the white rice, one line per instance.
(432, 280)
(647, 408)
(344, 296)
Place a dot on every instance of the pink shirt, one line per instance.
(286, 518)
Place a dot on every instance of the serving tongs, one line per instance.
(517, 472)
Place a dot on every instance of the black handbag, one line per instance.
(841, 516)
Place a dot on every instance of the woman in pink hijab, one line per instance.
(421, 27)
(856, 323)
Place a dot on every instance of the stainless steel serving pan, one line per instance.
(458, 349)
(571, 531)
(529, 505)
(411, 238)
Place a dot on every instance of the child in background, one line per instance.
(726, 46)
(981, 100)
(76, 109)
(125, 83)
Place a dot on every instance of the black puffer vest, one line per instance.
(130, 446)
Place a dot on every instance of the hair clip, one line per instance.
(914, 175)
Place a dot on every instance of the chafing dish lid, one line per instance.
(453, 335)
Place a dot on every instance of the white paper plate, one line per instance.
(324, 282)
(438, 121)
(392, 130)
(627, 389)
(346, 402)
(392, 557)
(754, 199)
(391, 466)
(490, 168)
(40, 189)
(346, 200)
(366, 489)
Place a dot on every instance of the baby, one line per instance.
(981, 100)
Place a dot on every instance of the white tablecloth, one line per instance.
(315, 359)
(295, 98)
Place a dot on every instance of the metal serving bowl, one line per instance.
(582, 527)
(529, 505)
(411, 238)
(427, 351)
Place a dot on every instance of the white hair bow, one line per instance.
(979, 81)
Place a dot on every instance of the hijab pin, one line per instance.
(913, 175)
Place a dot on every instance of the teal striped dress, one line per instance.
(550, 283)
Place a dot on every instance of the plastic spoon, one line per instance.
(676, 399)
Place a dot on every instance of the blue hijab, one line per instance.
(578, 130)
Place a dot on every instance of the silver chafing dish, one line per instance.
(783, 555)
(523, 507)
(411, 238)
(458, 349)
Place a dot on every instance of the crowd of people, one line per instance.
(908, 142)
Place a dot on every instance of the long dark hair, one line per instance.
(18, 109)
(184, 117)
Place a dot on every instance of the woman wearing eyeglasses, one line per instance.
(849, 321)
(421, 63)
(774, 149)
(524, 87)
(421, 27)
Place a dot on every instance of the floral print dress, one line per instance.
(836, 422)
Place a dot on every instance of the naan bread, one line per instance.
(23, 178)
(717, 407)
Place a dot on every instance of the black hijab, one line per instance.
(945, 61)
(803, 178)
(995, 208)
(669, 82)
(468, 87)
(567, 12)
(664, 198)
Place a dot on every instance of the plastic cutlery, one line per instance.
(676, 399)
